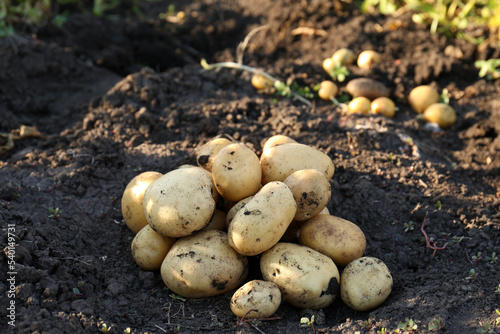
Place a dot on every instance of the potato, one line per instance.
(132, 197)
(203, 265)
(344, 57)
(256, 299)
(235, 208)
(383, 106)
(421, 97)
(368, 88)
(261, 223)
(329, 65)
(280, 161)
(327, 90)
(277, 140)
(207, 153)
(440, 113)
(236, 172)
(215, 193)
(368, 58)
(311, 191)
(261, 82)
(180, 202)
(217, 222)
(366, 283)
(360, 105)
(306, 278)
(335, 237)
(150, 248)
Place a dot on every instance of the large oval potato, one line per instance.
(236, 172)
(256, 299)
(280, 161)
(150, 248)
(421, 97)
(180, 202)
(337, 238)
(311, 191)
(203, 265)
(261, 223)
(235, 208)
(207, 153)
(132, 197)
(306, 278)
(366, 283)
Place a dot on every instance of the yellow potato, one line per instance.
(329, 65)
(359, 105)
(335, 237)
(440, 113)
(256, 299)
(217, 222)
(235, 208)
(207, 153)
(306, 278)
(279, 162)
(132, 197)
(368, 58)
(203, 265)
(368, 88)
(344, 57)
(311, 191)
(261, 82)
(366, 283)
(277, 140)
(180, 202)
(261, 223)
(236, 172)
(327, 90)
(150, 248)
(421, 97)
(215, 193)
(383, 106)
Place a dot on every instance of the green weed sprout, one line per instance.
(306, 322)
(409, 226)
(55, 213)
(488, 68)
(493, 258)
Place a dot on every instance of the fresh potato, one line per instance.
(217, 222)
(207, 153)
(327, 90)
(311, 191)
(368, 88)
(215, 193)
(306, 278)
(383, 106)
(329, 65)
(150, 248)
(180, 202)
(235, 208)
(368, 58)
(280, 161)
(440, 113)
(261, 82)
(335, 237)
(256, 299)
(236, 171)
(366, 283)
(132, 197)
(421, 97)
(261, 223)
(344, 57)
(359, 105)
(277, 140)
(203, 265)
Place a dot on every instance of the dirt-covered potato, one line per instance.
(306, 278)
(207, 153)
(277, 140)
(180, 202)
(337, 238)
(236, 172)
(261, 223)
(132, 197)
(383, 106)
(442, 114)
(279, 162)
(150, 248)
(421, 97)
(256, 299)
(217, 222)
(367, 87)
(366, 283)
(235, 208)
(203, 265)
(311, 191)
(344, 57)
(215, 193)
(359, 105)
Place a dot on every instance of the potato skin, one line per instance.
(421, 97)
(337, 238)
(150, 248)
(259, 225)
(366, 283)
(263, 297)
(180, 202)
(277, 140)
(207, 153)
(279, 162)
(442, 114)
(306, 278)
(368, 88)
(203, 265)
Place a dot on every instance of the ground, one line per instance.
(117, 95)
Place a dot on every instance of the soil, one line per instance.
(117, 95)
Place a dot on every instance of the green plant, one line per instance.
(367, 325)
(457, 239)
(436, 324)
(438, 205)
(382, 330)
(306, 322)
(497, 320)
(493, 258)
(472, 276)
(102, 6)
(55, 213)
(409, 325)
(497, 289)
(477, 258)
(339, 72)
(409, 226)
(104, 328)
(486, 329)
(488, 68)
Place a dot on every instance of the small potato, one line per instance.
(277, 140)
(256, 299)
(235, 208)
(383, 106)
(421, 97)
(368, 58)
(306, 278)
(207, 153)
(311, 191)
(150, 248)
(236, 171)
(329, 65)
(359, 105)
(259, 225)
(344, 57)
(280, 161)
(368, 88)
(327, 90)
(132, 197)
(217, 222)
(335, 237)
(203, 265)
(261, 82)
(442, 114)
(366, 283)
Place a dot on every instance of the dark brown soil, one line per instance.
(122, 94)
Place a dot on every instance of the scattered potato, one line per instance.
(203, 265)
(217, 222)
(421, 97)
(440, 113)
(306, 278)
(368, 58)
(132, 210)
(383, 106)
(368, 88)
(150, 248)
(359, 105)
(337, 238)
(256, 299)
(366, 283)
(344, 57)
(235, 208)
(207, 153)
(327, 90)
(261, 82)
(277, 140)
(329, 65)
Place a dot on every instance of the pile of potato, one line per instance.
(199, 224)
